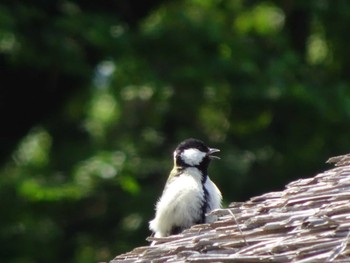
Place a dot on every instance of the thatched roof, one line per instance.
(307, 222)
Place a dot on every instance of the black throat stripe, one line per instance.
(205, 201)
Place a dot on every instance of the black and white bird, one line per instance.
(189, 194)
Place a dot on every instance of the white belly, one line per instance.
(181, 202)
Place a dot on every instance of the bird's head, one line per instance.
(194, 153)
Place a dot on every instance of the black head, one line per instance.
(194, 153)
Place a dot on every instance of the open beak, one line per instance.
(211, 151)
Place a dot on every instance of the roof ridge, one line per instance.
(308, 221)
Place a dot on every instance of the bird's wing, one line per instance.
(175, 172)
(179, 205)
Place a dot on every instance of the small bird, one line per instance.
(189, 194)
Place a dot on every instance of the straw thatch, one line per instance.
(307, 222)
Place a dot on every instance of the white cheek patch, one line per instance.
(192, 156)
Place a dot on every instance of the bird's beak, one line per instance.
(211, 151)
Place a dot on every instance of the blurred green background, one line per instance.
(95, 95)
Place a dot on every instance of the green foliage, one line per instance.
(81, 186)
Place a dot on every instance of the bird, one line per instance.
(189, 194)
